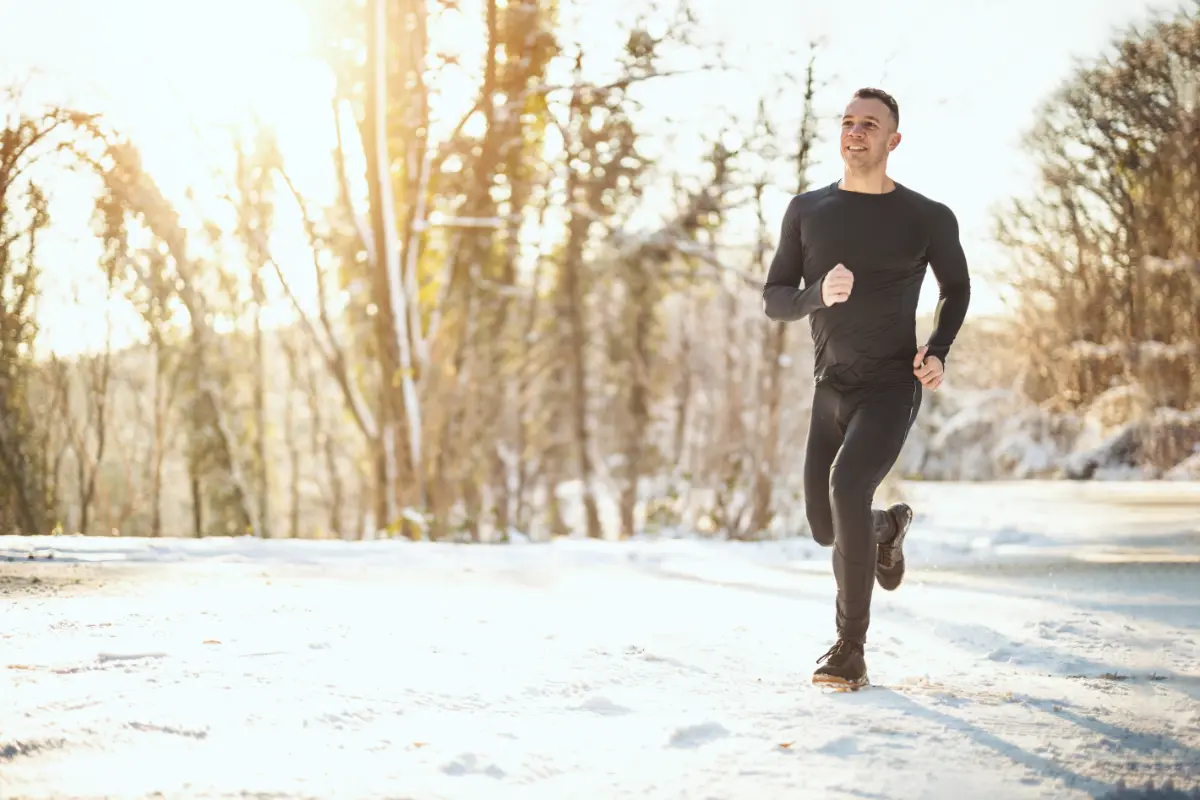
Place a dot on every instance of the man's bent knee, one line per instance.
(821, 527)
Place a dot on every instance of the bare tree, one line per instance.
(24, 139)
(601, 160)
(1105, 249)
(253, 202)
(290, 434)
(130, 187)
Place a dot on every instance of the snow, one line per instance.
(1186, 470)
(973, 435)
(1046, 644)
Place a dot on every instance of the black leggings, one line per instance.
(854, 439)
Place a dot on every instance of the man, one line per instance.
(852, 258)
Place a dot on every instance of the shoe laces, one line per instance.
(841, 648)
(887, 554)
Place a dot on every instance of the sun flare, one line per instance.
(182, 81)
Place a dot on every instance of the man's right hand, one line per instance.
(836, 286)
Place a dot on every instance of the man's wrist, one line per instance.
(940, 354)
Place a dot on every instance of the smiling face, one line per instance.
(868, 134)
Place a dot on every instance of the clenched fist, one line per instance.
(928, 369)
(836, 286)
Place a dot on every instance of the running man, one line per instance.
(852, 258)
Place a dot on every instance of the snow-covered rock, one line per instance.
(999, 434)
(1143, 448)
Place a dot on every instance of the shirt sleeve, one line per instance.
(783, 298)
(949, 265)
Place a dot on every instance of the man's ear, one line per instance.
(894, 142)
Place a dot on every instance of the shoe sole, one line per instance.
(841, 684)
(900, 562)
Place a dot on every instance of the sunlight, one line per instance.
(182, 99)
(457, 49)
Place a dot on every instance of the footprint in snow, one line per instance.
(603, 707)
(104, 658)
(698, 735)
(10, 751)
(169, 729)
(468, 764)
(841, 747)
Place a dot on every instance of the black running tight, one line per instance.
(854, 438)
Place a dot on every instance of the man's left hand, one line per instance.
(928, 369)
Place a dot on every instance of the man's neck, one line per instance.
(875, 182)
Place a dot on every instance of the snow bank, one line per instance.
(1186, 470)
(987, 435)
(998, 434)
(1145, 448)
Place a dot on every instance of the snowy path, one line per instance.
(576, 670)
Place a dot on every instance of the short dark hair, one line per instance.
(871, 93)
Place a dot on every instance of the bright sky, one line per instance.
(969, 75)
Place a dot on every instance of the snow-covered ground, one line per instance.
(1045, 645)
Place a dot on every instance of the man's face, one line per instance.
(868, 133)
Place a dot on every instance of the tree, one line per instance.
(1107, 250)
(745, 450)
(214, 456)
(775, 336)
(24, 215)
(484, 186)
(254, 204)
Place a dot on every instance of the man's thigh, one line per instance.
(876, 430)
(825, 435)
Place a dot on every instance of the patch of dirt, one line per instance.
(41, 579)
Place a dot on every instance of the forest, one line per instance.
(521, 322)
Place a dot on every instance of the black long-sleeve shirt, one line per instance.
(886, 240)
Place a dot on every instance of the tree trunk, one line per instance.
(263, 484)
(577, 342)
(197, 500)
(767, 468)
(643, 297)
(683, 395)
(335, 488)
(289, 432)
(392, 324)
(159, 448)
